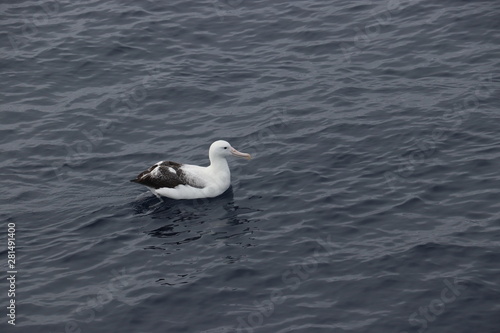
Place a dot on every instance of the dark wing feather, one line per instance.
(161, 175)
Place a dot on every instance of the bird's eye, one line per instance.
(225, 147)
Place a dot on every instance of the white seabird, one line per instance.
(185, 181)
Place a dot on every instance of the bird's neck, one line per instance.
(219, 172)
(218, 165)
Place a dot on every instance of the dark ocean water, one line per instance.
(371, 204)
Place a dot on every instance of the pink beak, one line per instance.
(239, 154)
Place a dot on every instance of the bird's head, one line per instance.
(223, 148)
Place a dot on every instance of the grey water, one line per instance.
(371, 203)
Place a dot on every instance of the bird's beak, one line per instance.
(239, 154)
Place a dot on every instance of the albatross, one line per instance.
(186, 181)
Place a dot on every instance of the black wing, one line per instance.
(164, 174)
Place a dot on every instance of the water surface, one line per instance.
(370, 205)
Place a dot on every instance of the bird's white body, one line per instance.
(186, 181)
(216, 182)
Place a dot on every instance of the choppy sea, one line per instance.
(371, 204)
